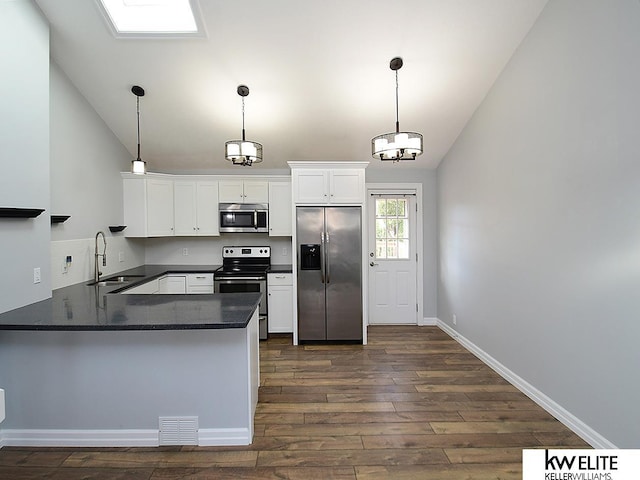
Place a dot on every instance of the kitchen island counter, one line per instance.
(91, 367)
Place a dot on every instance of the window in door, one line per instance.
(392, 228)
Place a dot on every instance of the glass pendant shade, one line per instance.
(397, 146)
(242, 152)
(139, 167)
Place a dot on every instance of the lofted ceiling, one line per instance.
(318, 73)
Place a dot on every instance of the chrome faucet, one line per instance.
(103, 255)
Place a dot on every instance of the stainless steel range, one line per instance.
(244, 269)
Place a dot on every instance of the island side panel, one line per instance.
(84, 385)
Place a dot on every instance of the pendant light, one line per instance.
(243, 152)
(138, 166)
(397, 145)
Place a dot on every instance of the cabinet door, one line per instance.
(135, 206)
(256, 192)
(280, 212)
(347, 186)
(231, 191)
(159, 207)
(184, 195)
(149, 287)
(311, 186)
(172, 284)
(280, 306)
(207, 221)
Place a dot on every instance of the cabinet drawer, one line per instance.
(196, 279)
(280, 279)
(191, 289)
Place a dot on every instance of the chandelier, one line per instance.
(243, 152)
(396, 146)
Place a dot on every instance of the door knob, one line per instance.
(371, 254)
(373, 264)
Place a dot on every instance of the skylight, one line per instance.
(162, 17)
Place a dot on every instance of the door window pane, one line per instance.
(392, 228)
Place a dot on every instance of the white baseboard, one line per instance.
(210, 437)
(79, 438)
(572, 422)
(217, 437)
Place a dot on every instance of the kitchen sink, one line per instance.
(122, 278)
(117, 280)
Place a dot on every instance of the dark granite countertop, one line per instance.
(280, 269)
(83, 307)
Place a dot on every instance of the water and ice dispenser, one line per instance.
(310, 257)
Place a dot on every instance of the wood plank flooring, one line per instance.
(413, 404)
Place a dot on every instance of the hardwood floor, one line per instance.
(413, 404)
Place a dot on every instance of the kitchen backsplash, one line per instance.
(208, 250)
(122, 254)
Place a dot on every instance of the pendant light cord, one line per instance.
(138, 114)
(397, 114)
(243, 119)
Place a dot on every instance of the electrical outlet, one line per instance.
(36, 275)
(455, 319)
(284, 251)
(121, 257)
(185, 251)
(65, 267)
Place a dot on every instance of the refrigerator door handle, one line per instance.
(327, 259)
(322, 256)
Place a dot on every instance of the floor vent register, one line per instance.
(178, 431)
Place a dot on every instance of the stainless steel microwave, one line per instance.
(244, 217)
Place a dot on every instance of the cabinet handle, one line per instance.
(279, 276)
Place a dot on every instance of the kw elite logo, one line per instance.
(580, 464)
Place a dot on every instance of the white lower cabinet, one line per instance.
(176, 283)
(149, 287)
(172, 284)
(280, 302)
(200, 283)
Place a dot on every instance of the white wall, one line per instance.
(86, 161)
(24, 152)
(404, 173)
(538, 216)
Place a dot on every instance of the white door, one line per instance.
(392, 259)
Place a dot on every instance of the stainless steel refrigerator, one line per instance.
(329, 249)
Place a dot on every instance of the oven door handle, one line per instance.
(239, 279)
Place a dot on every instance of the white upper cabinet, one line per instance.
(148, 207)
(196, 208)
(337, 183)
(243, 191)
(280, 211)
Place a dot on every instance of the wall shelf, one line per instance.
(59, 218)
(12, 212)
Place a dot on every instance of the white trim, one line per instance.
(209, 437)
(217, 437)
(572, 422)
(80, 438)
(412, 188)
